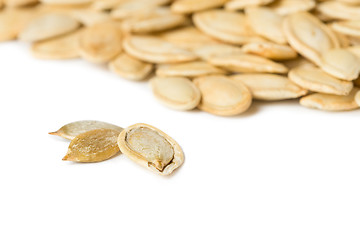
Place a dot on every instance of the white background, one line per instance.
(279, 172)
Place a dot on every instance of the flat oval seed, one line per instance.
(126, 9)
(207, 51)
(130, 68)
(71, 130)
(285, 7)
(93, 146)
(191, 69)
(19, 3)
(339, 10)
(157, 20)
(309, 36)
(241, 4)
(270, 50)
(357, 98)
(48, 26)
(67, 2)
(101, 42)
(267, 23)
(89, 17)
(329, 102)
(247, 63)
(151, 148)
(176, 92)
(190, 6)
(341, 63)
(156, 50)
(223, 96)
(229, 27)
(351, 28)
(63, 47)
(314, 79)
(270, 87)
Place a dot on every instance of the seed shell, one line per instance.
(191, 69)
(93, 146)
(151, 148)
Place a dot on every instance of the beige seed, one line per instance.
(130, 68)
(298, 62)
(339, 10)
(67, 2)
(208, 51)
(157, 20)
(191, 69)
(93, 146)
(19, 3)
(270, 87)
(13, 21)
(71, 130)
(341, 63)
(285, 7)
(190, 6)
(223, 96)
(357, 98)
(314, 79)
(63, 47)
(329, 102)
(351, 28)
(156, 50)
(89, 17)
(151, 148)
(103, 5)
(176, 92)
(309, 36)
(241, 4)
(101, 42)
(187, 37)
(247, 63)
(48, 26)
(229, 27)
(267, 23)
(270, 50)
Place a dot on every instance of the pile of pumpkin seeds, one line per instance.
(214, 55)
(96, 141)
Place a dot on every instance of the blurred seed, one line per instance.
(285, 7)
(71, 130)
(93, 146)
(339, 10)
(270, 50)
(190, 6)
(130, 68)
(241, 4)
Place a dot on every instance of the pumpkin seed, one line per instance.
(329, 102)
(63, 47)
(176, 92)
(341, 63)
(339, 10)
(357, 98)
(71, 130)
(241, 4)
(93, 146)
(270, 50)
(156, 50)
(67, 2)
(48, 26)
(190, 6)
(270, 87)
(285, 7)
(247, 63)
(216, 50)
(266, 23)
(130, 68)
(309, 36)
(351, 28)
(157, 20)
(316, 80)
(223, 96)
(105, 5)
(151, 148)
(89, 17)
(101, 42)
(229, 27)
(19, 3)
(191, 69)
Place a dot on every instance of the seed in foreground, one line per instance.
(93, 146)
(71, 130)
(223, 96)
(329, 102)
(176, 92)
(151, 148)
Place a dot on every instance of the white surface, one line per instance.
(279, 172)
